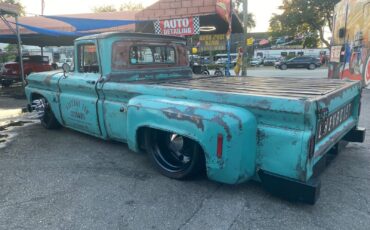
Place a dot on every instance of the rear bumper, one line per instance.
(291, 189)
(307, 191)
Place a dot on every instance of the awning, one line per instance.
(39, 36)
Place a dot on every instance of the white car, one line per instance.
(69, 61)
(255, 62)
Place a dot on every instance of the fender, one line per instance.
(46, 85)
(202, 122)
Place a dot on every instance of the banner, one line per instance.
(178, 27)
(212, 42)
(223, 9)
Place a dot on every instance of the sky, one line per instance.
(262, 9)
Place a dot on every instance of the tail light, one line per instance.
(220, 140)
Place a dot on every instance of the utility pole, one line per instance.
(42, 7)
(245, 47)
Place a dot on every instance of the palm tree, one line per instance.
(251, 23)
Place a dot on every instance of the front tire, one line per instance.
(283, 67)
(46, 115)
(311, 66)
(174, 156)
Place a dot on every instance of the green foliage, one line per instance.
(22, 11)
(237, 5)
(131, 6)
(127, 6)
(10, 52)
(105, 8)
(304, 17)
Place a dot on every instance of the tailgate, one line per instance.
(337, 114)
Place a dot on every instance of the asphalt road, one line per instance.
(67, 180)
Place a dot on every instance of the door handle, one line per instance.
(91, 82)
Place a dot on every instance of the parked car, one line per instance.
(310, 63)
(256, 62)
(270, 61)
(69, 61)
(221, 61)
(11, 71)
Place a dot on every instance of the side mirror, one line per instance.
(66, 68)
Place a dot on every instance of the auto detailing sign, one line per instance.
(178, 27)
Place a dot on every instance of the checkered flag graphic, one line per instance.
(196, 25)
(157, 27)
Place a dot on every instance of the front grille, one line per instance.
(327, 124)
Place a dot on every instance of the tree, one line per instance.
(127, 6)
(237, 6)
(304, 17)
(105, 8)
(131, 6)
(22, 11)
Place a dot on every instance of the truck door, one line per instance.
(78, 95)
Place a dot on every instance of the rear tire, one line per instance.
(6, 84)
(219, 73)
(174, 156)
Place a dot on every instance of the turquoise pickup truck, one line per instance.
(139, 89)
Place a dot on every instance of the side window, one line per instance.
(87, 59)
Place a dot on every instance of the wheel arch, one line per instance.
(203, 125)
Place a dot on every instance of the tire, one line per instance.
(283, 67)
(219, 73)
(174, 156)
(205, 72)
(311, 66)
(6, 84)
(47, 117)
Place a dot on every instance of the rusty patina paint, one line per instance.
(188, 115)
(218, 119)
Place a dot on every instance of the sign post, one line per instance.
(224, 10)
(245, 45)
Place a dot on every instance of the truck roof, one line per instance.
(130, 35)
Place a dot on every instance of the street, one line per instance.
(67, 180)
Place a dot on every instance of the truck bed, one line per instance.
(298, 88)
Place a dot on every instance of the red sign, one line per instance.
(178, 27)
(223, 9)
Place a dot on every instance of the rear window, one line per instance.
(142, 55)
(128, 55)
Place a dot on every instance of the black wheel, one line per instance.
(311, 66)
(175, 156)
(46, 115)
(6, 84)
(205, 72)
(284, 67)
(219, 73)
